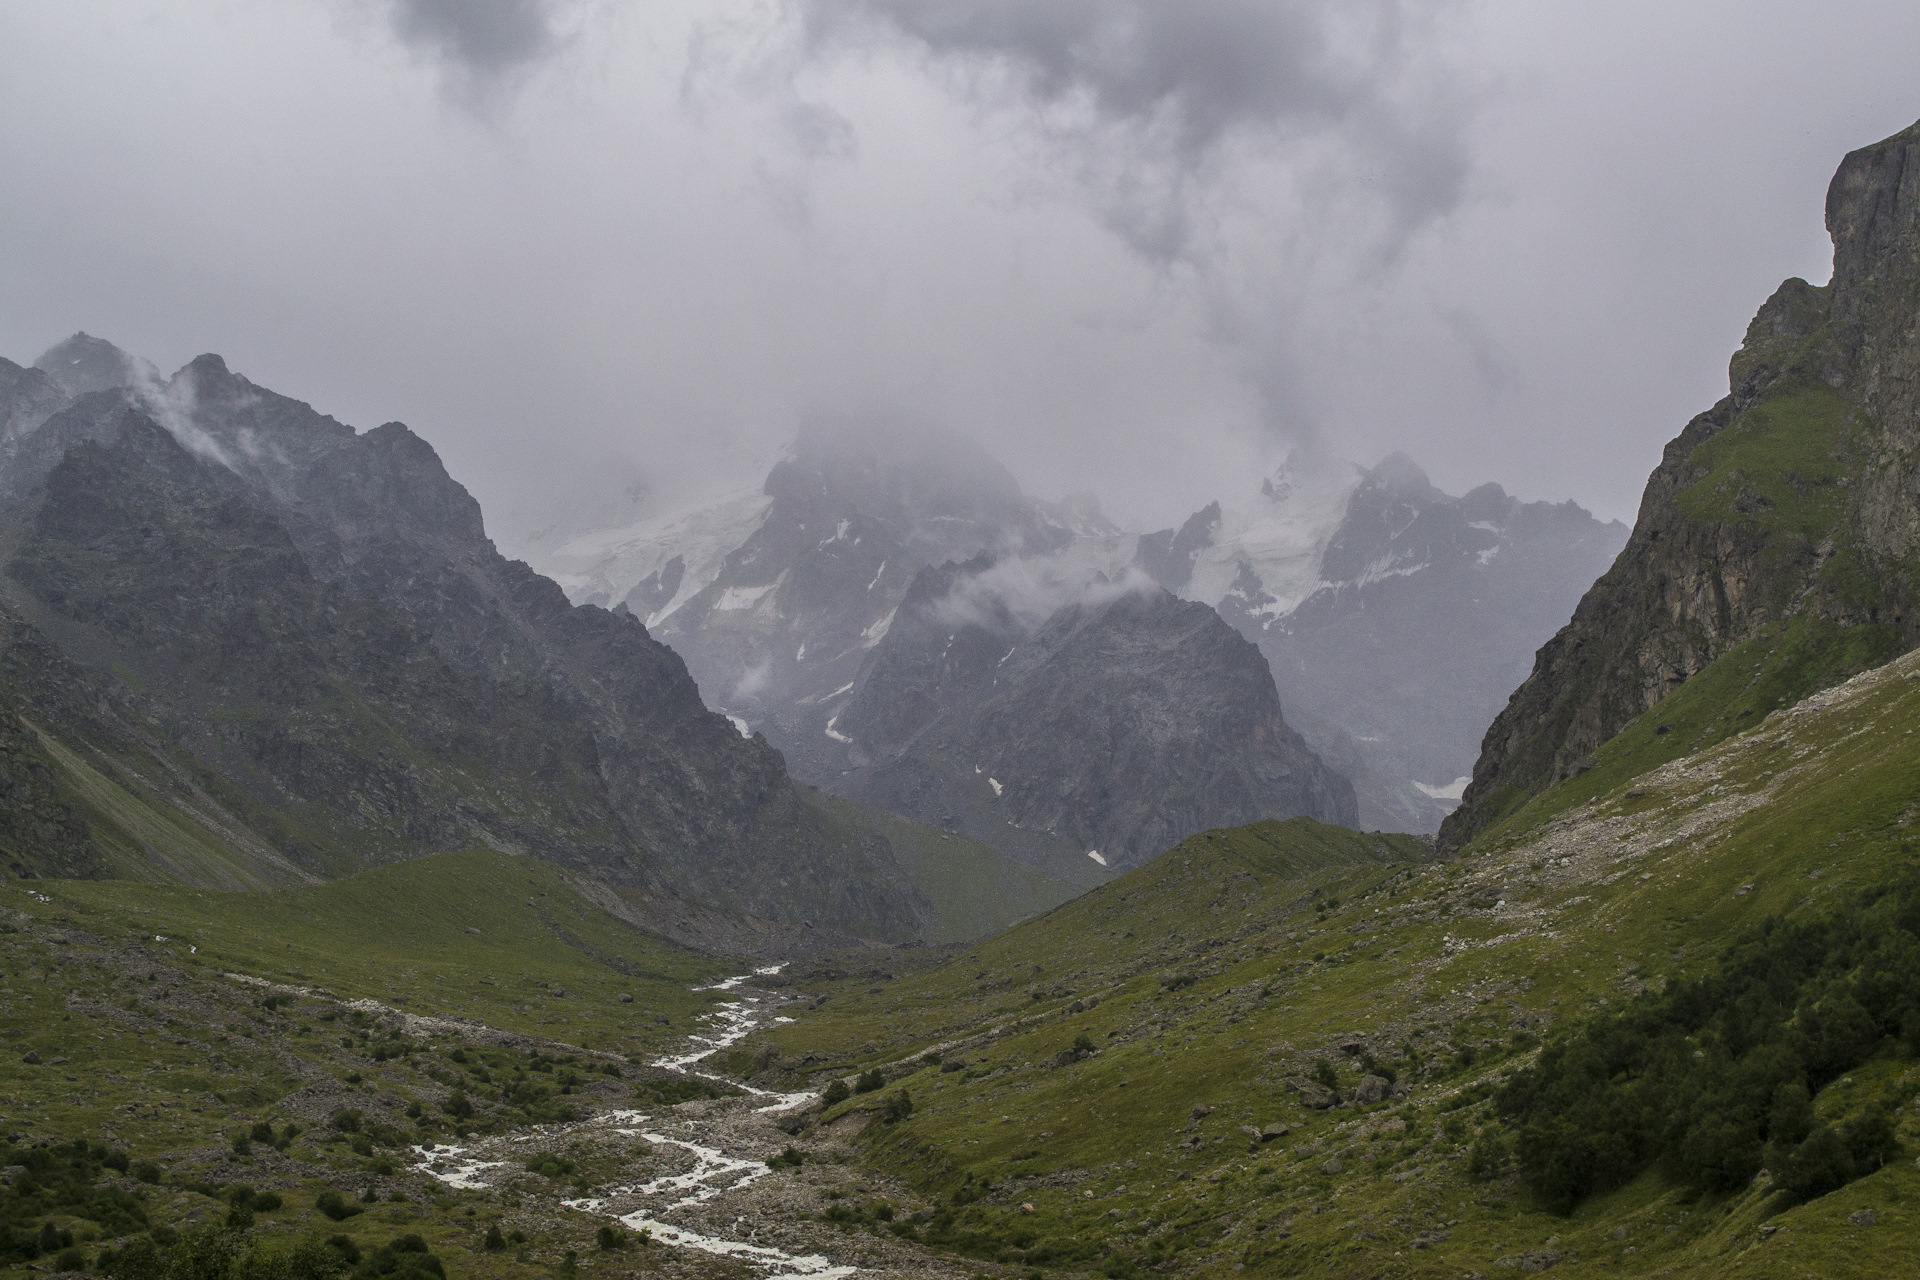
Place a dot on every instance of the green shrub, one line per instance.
(791, 1158)
(1712, 1078)
(1324, 1073)
(1488, 1158)
(405, 1258)
(898, 1106)
(459, 1106)
(550, 1165)
(347, 1119)
(871, 1080)
(610, 1237)
(494, 1242)
(836, 1093)
(335, 1205)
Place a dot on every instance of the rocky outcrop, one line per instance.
(1796, 497)
(1126, 721)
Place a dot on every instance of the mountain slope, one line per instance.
(1778, 520)
(1116, 726)
(258, 647)
(1277, 1048)
(1422, 620)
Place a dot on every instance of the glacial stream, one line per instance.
(676, 1208)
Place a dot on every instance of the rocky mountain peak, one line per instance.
(84, 363)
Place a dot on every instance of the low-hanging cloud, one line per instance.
(1022, 592)
(1156, 108)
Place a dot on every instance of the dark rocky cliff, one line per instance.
(1786, 517)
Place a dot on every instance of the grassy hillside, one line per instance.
(157, 1024)
(1246, 970)
(975, 889)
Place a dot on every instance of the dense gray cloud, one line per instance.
(480, 42)
(605, 256)
(1155, 104)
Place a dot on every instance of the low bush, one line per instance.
(336, 1206)
(1712, 1078)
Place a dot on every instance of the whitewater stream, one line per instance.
(710, 1187)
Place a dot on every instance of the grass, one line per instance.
(975, 890)
(1736, 691)
(479, 935)
(1240, 975)
(1780, 463)
(142, 1038)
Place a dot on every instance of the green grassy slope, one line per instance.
(1776, 669)
(1446, 975)
(136, 1017)
(478, 935)
(975, 889)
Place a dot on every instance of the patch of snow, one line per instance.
(877, 576)
(995, 784)
(1280, 537)
(1451, 791)
(742, 597)
(1486, 557)
(610, 563)
(834, 733)
(800, 654)
(1095, 855)
(746, 730)
(874, 634)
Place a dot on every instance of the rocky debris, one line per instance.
(1372, 1089)
(1314, 1094)
(1532, 1260)
(1272, 1131)
(1863, 1218)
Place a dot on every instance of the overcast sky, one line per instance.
(1140, 247)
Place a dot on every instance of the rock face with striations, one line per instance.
(1784, 521)
(1120, 724)
(236, 607)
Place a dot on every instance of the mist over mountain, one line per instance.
(1394, 620)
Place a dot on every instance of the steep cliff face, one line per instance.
(1120, 724)
(1782, 522)
(309, 625)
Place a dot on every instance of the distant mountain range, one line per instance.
(246, 644)
(1394, 620)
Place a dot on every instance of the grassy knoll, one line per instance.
(1237, 968)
